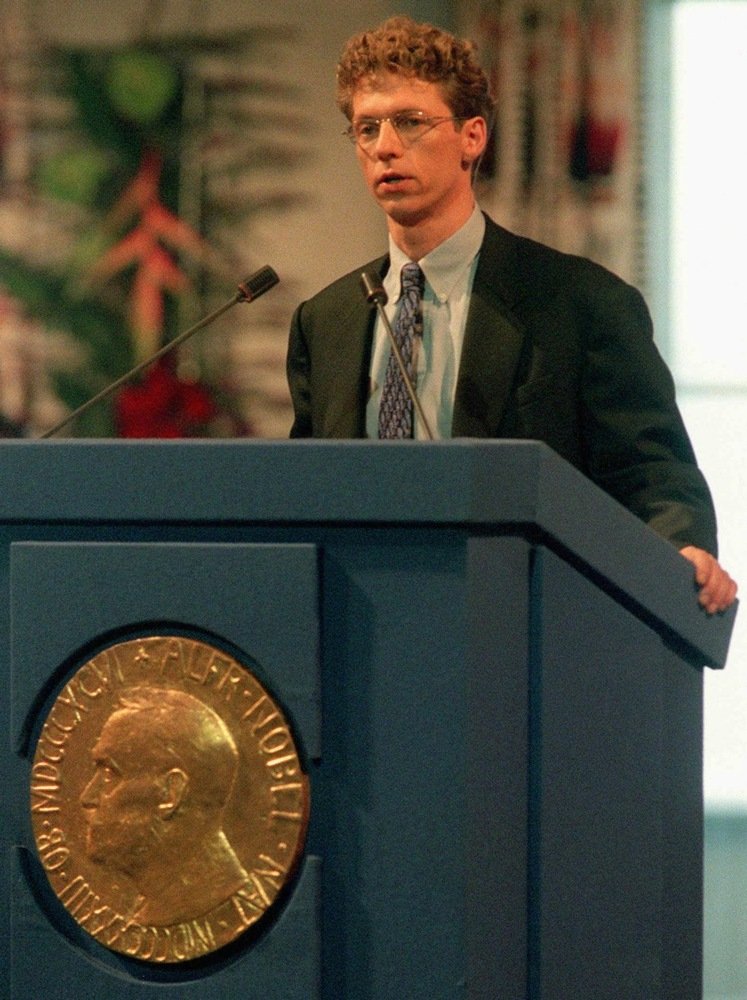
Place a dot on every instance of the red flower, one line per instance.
(595, 145)
(156, 270)
(164, 406)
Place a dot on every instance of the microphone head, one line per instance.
(257, 284)
(373, 290)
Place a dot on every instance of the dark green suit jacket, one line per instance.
(556, 349)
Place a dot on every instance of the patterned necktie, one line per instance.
(395, 410)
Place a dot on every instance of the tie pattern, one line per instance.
(395, 410)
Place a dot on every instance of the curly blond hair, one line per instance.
(422, 51)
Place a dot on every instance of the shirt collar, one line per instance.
(443, 266)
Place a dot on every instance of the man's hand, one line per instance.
(717, 589)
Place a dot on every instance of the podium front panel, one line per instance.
(259, 602)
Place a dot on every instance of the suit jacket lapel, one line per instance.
(493, 339)
(347, 374)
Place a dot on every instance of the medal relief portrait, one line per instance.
(164, 766)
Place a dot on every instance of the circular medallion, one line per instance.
(168, 801)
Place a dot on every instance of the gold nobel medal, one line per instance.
(168, 801)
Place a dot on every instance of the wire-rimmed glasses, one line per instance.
(409, 126)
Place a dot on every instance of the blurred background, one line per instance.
(155, 153)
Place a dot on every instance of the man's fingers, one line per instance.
(717, 589)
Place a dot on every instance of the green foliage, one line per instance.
(98, 421)
(96, 327)
(74, 175)
(96, 116)
(141, 85)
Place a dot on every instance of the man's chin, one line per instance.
(404, 211)
(101, 853)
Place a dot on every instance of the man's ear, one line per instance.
(474, 140)
(174, 788)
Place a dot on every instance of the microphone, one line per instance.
(375, 295)
(247, 291)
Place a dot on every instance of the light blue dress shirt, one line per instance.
(449, 272)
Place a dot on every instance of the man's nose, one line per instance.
(388, 142)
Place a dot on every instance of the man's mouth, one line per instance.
(391, 179)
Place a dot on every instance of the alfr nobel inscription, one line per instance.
(168, 801)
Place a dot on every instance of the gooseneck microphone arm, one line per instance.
(251, 288)
(375, 294)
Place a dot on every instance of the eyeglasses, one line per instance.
(409, 126)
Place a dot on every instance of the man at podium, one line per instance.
(497, 336)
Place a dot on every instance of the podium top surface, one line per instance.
(492, 486)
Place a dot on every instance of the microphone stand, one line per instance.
(375, 295)
(251, 288)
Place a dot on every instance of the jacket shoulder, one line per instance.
(523, 267)
(348, 287)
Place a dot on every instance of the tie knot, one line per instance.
(412, 278)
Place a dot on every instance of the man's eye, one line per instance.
(366, 129)
(106, 773)
(408, 123)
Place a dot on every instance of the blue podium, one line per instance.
(494, 675)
